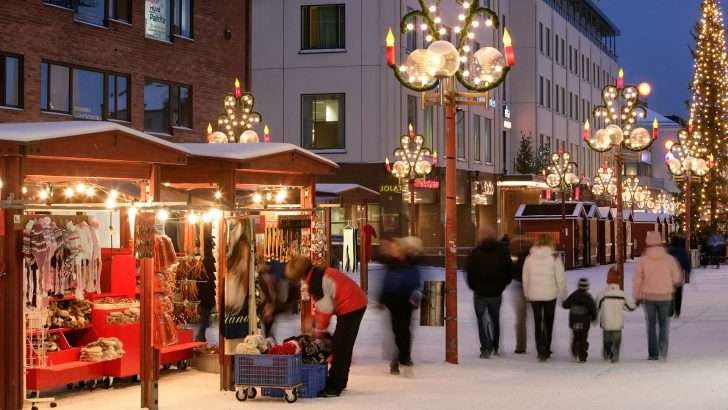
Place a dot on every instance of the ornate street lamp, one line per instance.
(561, 174)
(604, 183)
(412, 161)
(622, 107)
(436, 72)
(686, 160)
(235, 124)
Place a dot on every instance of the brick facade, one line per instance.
(208, 63)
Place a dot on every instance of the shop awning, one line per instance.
(344, 193)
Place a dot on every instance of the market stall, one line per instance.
(643, 222)
(592, 234)
(605, 233)
(546, 218)
(345, 210)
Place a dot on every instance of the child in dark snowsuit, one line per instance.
(582, 311)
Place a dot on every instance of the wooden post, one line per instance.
(451, 262)
(227, 186)
(11, 294)
(149, 354)
(308, 194)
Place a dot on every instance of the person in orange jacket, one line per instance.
(334, 293)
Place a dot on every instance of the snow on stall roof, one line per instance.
(337, 189)
(644, 217)
(249, 151)
(40, 131)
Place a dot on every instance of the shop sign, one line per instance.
(427, 184)
(492, 103)
(482, 192)
(507, 117)
(156, 13)
(390, 189)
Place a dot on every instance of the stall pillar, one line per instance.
(308, 193)
(11, 294)
(227, 186)
(364, 260)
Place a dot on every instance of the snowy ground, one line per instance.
(695, 377)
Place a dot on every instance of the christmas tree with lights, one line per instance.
(709, 115)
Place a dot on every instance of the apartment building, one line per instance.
(566, 53)
(161, 66)
(320, 78)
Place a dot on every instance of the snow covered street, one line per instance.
(695, 377)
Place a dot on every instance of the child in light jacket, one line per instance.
(612, 304)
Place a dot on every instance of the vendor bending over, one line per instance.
(334, 294)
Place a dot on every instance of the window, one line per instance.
(182, 22)
(117, 97)
(488, 140)
(166, 106)
(55, 88)
(60, 3)
(477, 147)
(556, 47)
(588, 70)
(540, 37)
(548, 93)
(460, 129)
(411, 37)
(548, 42)
(430, 127)
(92, 12)
(323, 121)
(86, 94)
(322, 27)
(120, 10)
(540, 90)
(563, 52)
(571, 59)
(571, 105)
(558, 100)
(412, 111)
(563, 101)
(11, 80)
(583, 75)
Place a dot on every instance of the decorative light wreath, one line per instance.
(411, 159)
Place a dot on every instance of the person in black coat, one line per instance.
(677, 250)
(582, 311)
(488, 273)
(206, 287)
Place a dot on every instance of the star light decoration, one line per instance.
(561, 173)
(605, 183)
(634, 194)
(477, 70)
(236, 122)
(662, 203)
(621, 110)
(689, 154)
(411, 159)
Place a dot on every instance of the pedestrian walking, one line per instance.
(519, 248)
(206, 286)
(582, 311)
(488, 273)
(543, 283)
(401, 294)
(677, 250)
(334, 293)
(612, 303)
(656, 276)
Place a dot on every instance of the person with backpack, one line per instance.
(543, 283)
(582, 311)
(612, 303)
(488, 273)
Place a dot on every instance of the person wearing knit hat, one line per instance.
(582, 311)
(612, 303)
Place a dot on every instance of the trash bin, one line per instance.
(432, 312)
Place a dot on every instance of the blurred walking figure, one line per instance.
(716, 248)
(519, 251)
(677, 250)
(612, 303)
(401, 295)
(656, 276)
(543, 282)
(582, 311)
(489, 272)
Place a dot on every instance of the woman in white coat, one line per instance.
(543, 283)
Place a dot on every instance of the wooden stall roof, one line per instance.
(592, 210)
(606, 213)
(345, 193)
(550, 211)
(626, 214)
(645, 217)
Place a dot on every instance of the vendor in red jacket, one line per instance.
(334, 293)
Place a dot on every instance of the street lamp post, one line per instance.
(436, 72)
(687, 159)
(412, 161)
(561, 174)
(622, 107)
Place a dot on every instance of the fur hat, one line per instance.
(653, 238)
(583, 284)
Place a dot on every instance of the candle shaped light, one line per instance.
(266, 134)
(620, 78)
(411, 132)
(238, 91)
(387, 166)
(390, 48)
(585, 134)
(434, 158)
(508, 48)
(209, 130)
(655, 129)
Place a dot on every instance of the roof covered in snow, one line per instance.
(25, 132)
(249, 151)
(337, 189)
(661, 120)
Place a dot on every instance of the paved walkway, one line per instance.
(695, 377)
